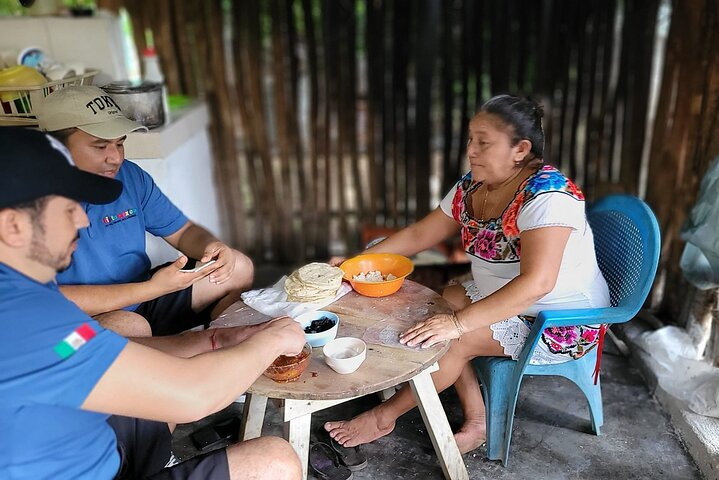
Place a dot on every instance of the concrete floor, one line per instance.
(552, 436)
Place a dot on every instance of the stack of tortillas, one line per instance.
(313, 282)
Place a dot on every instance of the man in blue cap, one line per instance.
(61, 373)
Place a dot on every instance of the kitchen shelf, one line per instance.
(162, 141)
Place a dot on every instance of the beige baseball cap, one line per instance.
(88, 108)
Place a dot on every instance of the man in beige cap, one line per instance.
(110, 277)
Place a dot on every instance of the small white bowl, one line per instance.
(345, 355)
(321, 338)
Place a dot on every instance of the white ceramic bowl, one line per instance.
(321, 338)
(345, 355)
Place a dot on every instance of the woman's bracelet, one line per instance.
(457, 325)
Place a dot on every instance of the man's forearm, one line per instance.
(189, 344)
(97, 299)
(163, 387)
(185, 345)
(194, 240)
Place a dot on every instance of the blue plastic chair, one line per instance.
(627, 243)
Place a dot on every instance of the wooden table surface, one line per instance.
(378, 321)
(372, 319)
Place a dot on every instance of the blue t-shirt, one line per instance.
(51, 356)
(112, 249)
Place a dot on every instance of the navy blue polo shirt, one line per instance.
(51, 357)
(112, 249)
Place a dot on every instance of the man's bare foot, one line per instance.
(471, 436)
(364, 428)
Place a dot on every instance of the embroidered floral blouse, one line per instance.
(546, 198)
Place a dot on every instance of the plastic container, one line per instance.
(19, 110)
(318, 339)
(387, 263)
(18, 76)
(151, 66)
(152, 74)
(288, 369)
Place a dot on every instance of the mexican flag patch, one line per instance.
(74, 341)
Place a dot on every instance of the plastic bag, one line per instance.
(273, 301)
(681, 372)
(700, 259)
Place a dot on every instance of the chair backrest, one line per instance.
(627, 243)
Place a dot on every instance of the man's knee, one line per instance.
(244, 273)
(265, 457)
(288, 463)
(127, 324)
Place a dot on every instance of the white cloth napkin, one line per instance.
(272, 301)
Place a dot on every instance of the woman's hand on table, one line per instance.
(429, 332)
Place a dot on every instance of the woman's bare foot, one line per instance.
(471, 436)
(364, 428)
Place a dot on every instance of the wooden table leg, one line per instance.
(438, 427)
(253, 416)
(297, 431)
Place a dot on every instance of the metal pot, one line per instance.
(144, 103)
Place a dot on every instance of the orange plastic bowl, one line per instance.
(386, 263)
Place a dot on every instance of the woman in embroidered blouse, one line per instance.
(524, 227)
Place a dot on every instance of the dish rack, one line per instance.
(16, 108)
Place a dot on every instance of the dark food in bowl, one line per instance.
(320, 325)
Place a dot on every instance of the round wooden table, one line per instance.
(378, 321)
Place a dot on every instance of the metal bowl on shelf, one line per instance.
(143, 103)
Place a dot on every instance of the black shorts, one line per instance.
(172, 313)
(145, 449)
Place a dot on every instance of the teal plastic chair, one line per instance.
(627, 243)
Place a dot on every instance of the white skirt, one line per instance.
(512, 333)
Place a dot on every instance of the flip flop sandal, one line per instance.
(325, 464)
(352, 457)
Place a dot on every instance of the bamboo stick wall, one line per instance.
(331, 115)
(685, 137)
